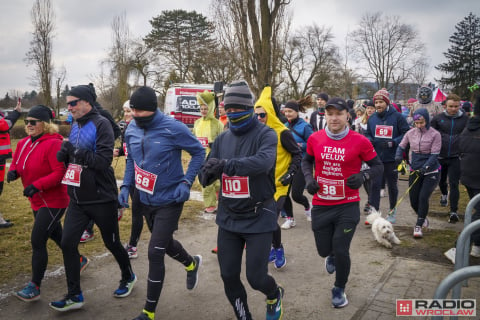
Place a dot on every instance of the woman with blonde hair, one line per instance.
(35, 162)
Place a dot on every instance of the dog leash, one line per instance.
(407, 191)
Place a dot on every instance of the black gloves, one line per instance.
(387, 144)
(312, 187)
(12, 176)
(80, 156)
(398, 161)
(63, 155)
(211, 171)
(30, 191)
(355, 181)
(422, 171)
(286, 179)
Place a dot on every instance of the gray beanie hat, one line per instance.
(238, 95)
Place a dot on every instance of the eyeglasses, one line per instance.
(32, 122)
(73, 103)
(261, 115)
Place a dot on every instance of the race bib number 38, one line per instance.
(144, 180)
(72, 175)
(235, 187)
(382, 131)
(331, 189)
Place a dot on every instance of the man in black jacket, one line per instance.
(93, 194)
(450, 124)
(317, 119)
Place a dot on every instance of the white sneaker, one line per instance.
(450, 254)
(308, 213)
(417, 232)
(289, 223)
(382, 193)
(475, 251)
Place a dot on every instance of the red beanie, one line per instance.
(383, 95)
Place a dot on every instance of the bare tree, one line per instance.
(60, 76)
(40, 52)
(390, 49)
(254, 32)
(309, 54)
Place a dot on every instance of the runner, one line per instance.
(337, 154)
(35, 162)
(243, 158)
(93, 194)
(154, 166)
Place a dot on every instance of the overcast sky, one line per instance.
(83, 32)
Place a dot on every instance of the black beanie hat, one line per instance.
(144, 98)
(84, 92)
(323, 96)
(292, 104)
(238, 95)
(41, 112)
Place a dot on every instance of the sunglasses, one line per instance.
(261, 115)
(73, 103)
(32, 122)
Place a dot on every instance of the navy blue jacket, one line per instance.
(450, 127)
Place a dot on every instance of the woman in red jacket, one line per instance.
(35, 162)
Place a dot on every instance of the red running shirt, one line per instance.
(335, 161)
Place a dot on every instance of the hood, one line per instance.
(207, 98)
(457, 115)
(424, 113)
(48, 136)
(265, 102)
(473, 123)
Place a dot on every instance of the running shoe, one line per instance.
(120, 213)
(274, 306)
(367, 209)
(339, 298)
(272, 255)
(210, 210)
(280, 260)
(330, 264)
(215, 250)
(444, 200)
(125, 287)
(144, 316)
(69, 302)
(30, 293)
(84, 261)
(87, 236)
(192, 275)
(450, 254)
(308, 213)
(417, 232)
(289, 223)
(392, 216)
(453, 217)
(132, 251)
(475, 252)
(283, 213)
(426, 223)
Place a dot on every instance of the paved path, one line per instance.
(377, 278)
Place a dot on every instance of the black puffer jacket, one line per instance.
(470, 153)
(450, 127)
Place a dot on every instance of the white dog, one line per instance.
(382, 229)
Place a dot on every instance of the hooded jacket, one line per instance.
(36, 163)
(157, 149)
(390, 117)
(207, 128)
(301, 131)
(450, 128)
(469, 147)
(92, 137)
(289, 155)
(425, 145)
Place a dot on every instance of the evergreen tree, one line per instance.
(463, 57)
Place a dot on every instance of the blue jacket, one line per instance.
(301, 131)
(158, 150)
(385, 147)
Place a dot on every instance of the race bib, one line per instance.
(125, 149)
(235, 187)
(144, 180)
(203, 141)
(72, 175)
(331, 189)
(382, 131)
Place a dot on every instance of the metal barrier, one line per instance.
(462, 271)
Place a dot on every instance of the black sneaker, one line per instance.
(125, 287)
(192, 276)
(453, 217)
(367, 209)
(69, 302)
(142, 316)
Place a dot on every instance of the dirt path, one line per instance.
(307, 285)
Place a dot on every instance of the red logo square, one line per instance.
(404, 307)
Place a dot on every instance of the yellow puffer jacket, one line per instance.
(284, 158)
